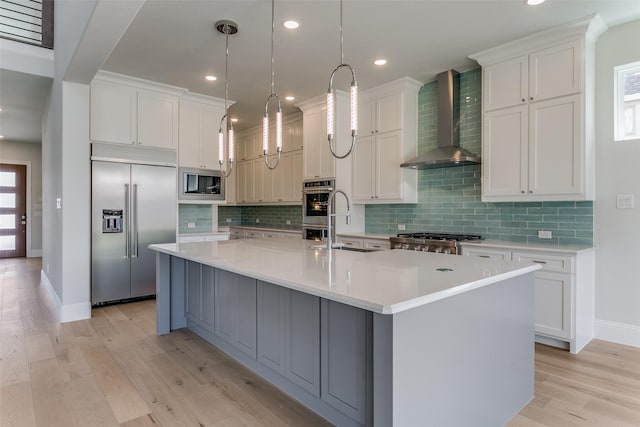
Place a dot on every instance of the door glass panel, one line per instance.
(7, 243)
(7, 200)
(7, 222)
(7, 179)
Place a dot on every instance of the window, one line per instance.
(627, 102)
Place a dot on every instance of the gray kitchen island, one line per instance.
(386, 338)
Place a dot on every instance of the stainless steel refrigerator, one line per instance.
(132, 206)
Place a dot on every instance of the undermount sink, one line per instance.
(345, 248)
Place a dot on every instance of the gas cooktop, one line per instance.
(432, 242)
(441, 236)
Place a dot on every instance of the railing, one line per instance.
(28, 21)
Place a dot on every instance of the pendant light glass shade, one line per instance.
(265, 119)
(331, 100)
(226, 27)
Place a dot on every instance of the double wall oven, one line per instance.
(315, 201)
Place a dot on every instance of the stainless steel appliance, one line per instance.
(317, 233)
(132, 206)
(201, 184)
(447, 243)
(315, 201)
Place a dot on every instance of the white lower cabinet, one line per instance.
(364, 243)
(564, 292)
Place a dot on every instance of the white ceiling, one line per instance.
(174, 41)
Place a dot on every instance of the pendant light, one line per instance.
(265, 119)
(226, 27)
(331, 102)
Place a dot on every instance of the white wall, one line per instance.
(85, 33)
(23, 152)
(616, 231)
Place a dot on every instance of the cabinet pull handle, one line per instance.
(539, 262)
(484, 256)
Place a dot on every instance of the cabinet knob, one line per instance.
(530, 191)
(524, 100)
(531, 98)
(522, 191)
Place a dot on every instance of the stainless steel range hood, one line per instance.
(448, 153)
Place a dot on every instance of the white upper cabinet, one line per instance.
(199, 124)
(388, 136)
(380, 114)
(538, 115)
(125, 110)
(318, 162)
(257, 185)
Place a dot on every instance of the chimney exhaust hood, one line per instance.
(448, 153)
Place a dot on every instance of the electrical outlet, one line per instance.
(47, 268)
(191, 225)
(624, 201)
(402, 227)
(257, 220)
(228, 220)
(59, 203)
(288, 222)
(545, 234)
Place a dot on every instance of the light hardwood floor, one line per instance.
(112, 370)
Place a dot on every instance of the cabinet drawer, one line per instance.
(487, 253)
(352, 243)
(250, 233)
(376, 244)
(558, 263)
(271, 234)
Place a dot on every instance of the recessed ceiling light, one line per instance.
(233, 119)
(289, 98)
(211, 78)
(291, 24)
(533, 2)
(380, 61)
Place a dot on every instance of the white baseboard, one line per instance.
(618, 332)
(53, 296)
(35, 253)
(69, 312)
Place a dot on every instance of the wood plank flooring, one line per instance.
(112, 370)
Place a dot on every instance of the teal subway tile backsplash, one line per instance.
(449, 199)
(198, 215)
(268, 216)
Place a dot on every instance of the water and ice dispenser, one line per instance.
(112, 220)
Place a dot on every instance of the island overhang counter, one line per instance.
(381, 338)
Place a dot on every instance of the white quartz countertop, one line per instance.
(386, 282)
(515, 246)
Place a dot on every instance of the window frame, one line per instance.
(618, 102)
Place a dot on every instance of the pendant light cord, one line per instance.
(273, 28)
(226, 67)
(341, 38)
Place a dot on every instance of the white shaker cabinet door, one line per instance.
(555, 149)
(389, 113)
(190, 135)
(553, 304)
(157, 120)
(113, 110)
(388, 174)
(504, 157)
(506, 83)
(556, 71)
(363, 169)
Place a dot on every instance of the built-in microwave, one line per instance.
(200, 184)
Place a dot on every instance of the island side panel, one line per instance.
(177, 295)
(467, 359)
(163, 287)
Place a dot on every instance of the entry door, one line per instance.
(13, 210)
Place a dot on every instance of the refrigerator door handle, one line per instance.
(126, 220)
(134, 214)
